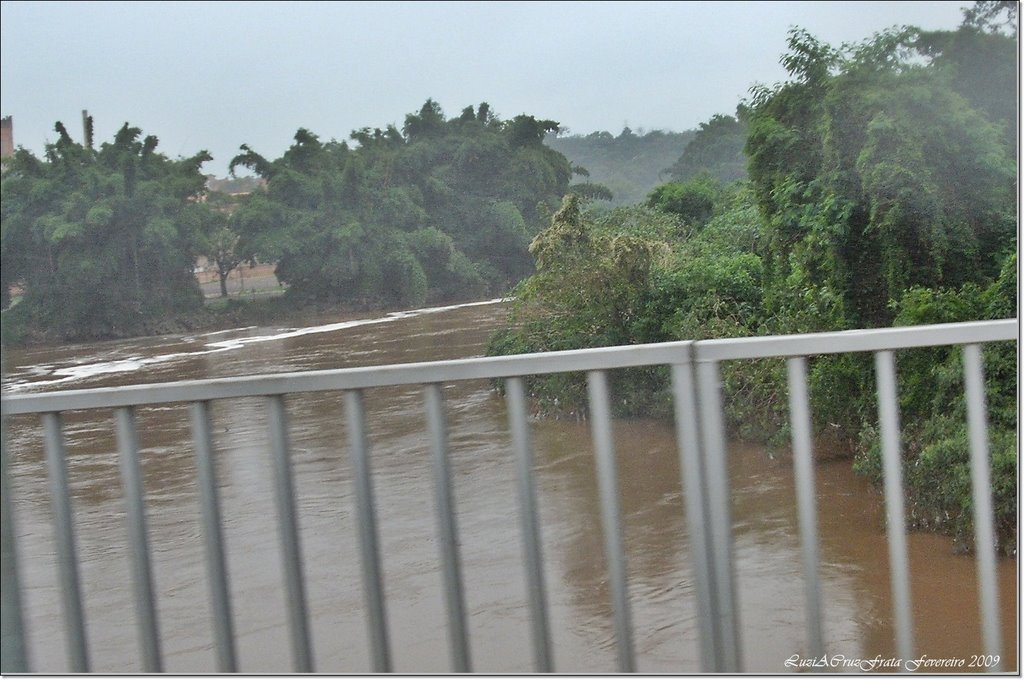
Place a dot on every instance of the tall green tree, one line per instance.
(101, 240)
(219, 240)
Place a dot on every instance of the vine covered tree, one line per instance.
(875, 175)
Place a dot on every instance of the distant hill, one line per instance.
(629, 164)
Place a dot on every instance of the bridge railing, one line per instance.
(702, 450)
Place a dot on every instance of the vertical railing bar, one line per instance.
(67, 555)
(688, 441)
(611, 515)
(717, 477)
(981, 489)
(13, 643)
(534, 562)
(366, 517)
(298, 619)
(131, 480)
(454, 598)
(892, 465)
(216, 563)
(803, 467)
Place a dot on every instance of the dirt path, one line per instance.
(243, 280)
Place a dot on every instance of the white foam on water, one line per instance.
(85, 370)
(226, 330)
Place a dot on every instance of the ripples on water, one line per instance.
(769, 579)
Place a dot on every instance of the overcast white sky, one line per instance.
(214, 75)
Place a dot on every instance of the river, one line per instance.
(856, 591)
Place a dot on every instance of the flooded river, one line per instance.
(858, 615)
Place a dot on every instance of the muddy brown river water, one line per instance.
(857, 617)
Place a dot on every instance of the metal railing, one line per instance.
(701, 444)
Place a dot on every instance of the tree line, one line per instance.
(102, 241)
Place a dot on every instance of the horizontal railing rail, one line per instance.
(566, 361)
(701, 435)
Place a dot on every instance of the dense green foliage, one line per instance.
(102, 241)
(693, 200)
(629, 165)
(636, 275)
(443, 209)
(882, 191)
(933, 410)
(874, 176)
(591, 278)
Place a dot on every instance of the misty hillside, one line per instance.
(631, 165)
